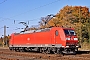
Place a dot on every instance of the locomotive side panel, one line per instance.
(27, 39)
(37, 39)
(42, 38)
(48, 38)
(58, 37)
(11, 40)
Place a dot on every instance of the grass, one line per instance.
(85, 46)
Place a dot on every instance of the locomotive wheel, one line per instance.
(74, 52)
(21, 49)
(54, 50)
(40, 50)
(47, 51)
(17, 49)
(43, 51)
(58, 51)
(76, 49)
(10, 48)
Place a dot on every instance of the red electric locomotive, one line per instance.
(55, 39)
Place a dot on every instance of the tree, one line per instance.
(76, 17)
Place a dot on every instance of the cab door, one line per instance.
(57, 37)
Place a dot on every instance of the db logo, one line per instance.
(28, 39)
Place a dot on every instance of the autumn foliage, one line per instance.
(77, 17)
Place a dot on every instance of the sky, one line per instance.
(30, 10)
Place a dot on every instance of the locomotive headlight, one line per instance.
(67, 38)
(76, 46)
(75, 38)
(67, 46)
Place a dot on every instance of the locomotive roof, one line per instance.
(41, 30)
(33, 31)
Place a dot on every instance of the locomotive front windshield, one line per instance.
(69, 32)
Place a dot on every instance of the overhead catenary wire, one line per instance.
(3, 1)
(14, 20)
(36, 8)
(29, 11)
(1, 27)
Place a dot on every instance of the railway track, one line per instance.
(6, 54)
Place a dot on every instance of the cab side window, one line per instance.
(56, 32)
